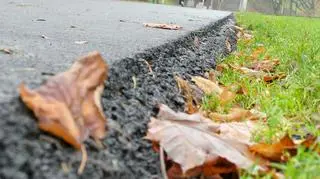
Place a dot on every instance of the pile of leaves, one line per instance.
(197, 146)
(216, 142)
(68, 104)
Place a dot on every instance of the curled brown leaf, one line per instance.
(189, 94)
(271, 78)
(274, 152)
(207, 86)
(68, 104)
(163, 26)
(258, 51)
(265, 65)
(228, 45)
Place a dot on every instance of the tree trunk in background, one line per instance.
(207, 3)
(290, 8)
(243, 5)
(215, 4)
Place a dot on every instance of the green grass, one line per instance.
(290, 103)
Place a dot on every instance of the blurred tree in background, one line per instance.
(278, 7)
(296, 7)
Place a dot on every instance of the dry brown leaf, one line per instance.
(271, 78)
(163, 26)
(211, 86)
(212, 77)
(207, 86)
(222, 66)
(274, 152)
(236, 114)
(266, 77)
(256, 114)
(226, 96)
(242, 90)
(239, 28)
(228, 45)
(211, 169)
(258, 51)
(265, 65)
(192, 140)
(247, 36)
(68, 104)
(239, 35)
(187, 92)
(240, 31)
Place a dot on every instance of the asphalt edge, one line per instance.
(128, 107)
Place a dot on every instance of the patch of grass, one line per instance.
(289, 103)
(304, 165)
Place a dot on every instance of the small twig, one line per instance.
(83, 160)
(149, 67)
(65, 167)
(163, 165)
(47, 74)
(6, 50)
(134, 79)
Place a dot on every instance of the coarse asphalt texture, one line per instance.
(42, 36)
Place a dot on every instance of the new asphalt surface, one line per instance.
(43, 34)
(45, 37)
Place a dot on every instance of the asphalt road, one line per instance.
(43, 34)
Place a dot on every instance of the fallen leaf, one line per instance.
(242, 90)
(258, 51)
(207, 86)
(221, 67)
(212, 77)
(256, 114)
(192, 140)
(265, 65)
(309, 141)
(239, 35)
(247, 36)
(240, 29)
(226, 96)
(163, 26)
(271, 78)
(266, 77)
(211, 169)
(6, 50)
(44, 37)
(81, 42)
(187, 92)
(41, 19)
(68, 104)
(239, 131)
(236, 114)
(274, 152)
(228, 45)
